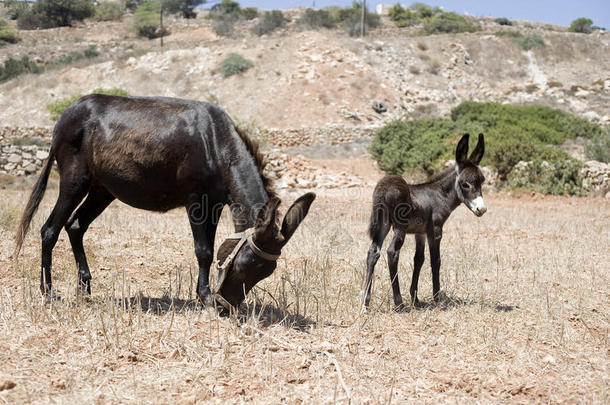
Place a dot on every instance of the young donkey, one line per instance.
(422, 209)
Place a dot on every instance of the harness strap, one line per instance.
(245, 236)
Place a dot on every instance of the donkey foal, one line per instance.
(422, 209)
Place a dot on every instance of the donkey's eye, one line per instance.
(465, 185)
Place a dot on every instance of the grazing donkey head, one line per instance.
(241, 264)
(469, 176)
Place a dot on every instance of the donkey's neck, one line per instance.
(247, 192)
(442, 186)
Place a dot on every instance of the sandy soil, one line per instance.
(526, 318)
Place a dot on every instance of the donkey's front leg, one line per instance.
(204, 231)
(434, 245)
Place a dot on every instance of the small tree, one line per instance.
(582, 25)
(15, 8)
(401, 16)
(184, 7)
(146, 20)
(271, 21)
(109, 11)
(61, 13)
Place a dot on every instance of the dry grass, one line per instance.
(526, 319)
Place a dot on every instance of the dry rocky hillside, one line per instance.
(316, 78)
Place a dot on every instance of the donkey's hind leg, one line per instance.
(418, 261)
(70, 195)
(96, 202)
(372, 257)
(393, 255)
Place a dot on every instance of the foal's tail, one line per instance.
(33, 202)
(379, 219)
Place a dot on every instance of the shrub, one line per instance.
(15, 67)
(525, 42)
(226, 7)
(423, 11)
(313, 19)
(109, 11)
(401, 16)
(558, 178)
(249, 13)
(146, 20)
(581, 25)
(270, 21)
(57, 108)
(89, 53)
(7, 33)
(512, 134)
(55, 13)
(184, 7)
(598, 148)
(14, 8)
(234, 64)
(351, 17)
(223, 27)
(503, 21)
(449, 22)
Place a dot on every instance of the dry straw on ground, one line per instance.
(526, 317)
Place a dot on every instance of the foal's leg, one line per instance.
(203, 224)
(71, 192)
(371, 260)
(418, 261)
(434, 245)
(96, 202)
(393, 255)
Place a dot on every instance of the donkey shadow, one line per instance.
(266, 314)
(447, 302)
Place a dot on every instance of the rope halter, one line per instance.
(245, 236)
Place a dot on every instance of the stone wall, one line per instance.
(328, 135)
(21, 160)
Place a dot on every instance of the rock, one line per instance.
(42, 155)
(14, 158)
(380, 107)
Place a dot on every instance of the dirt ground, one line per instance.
(525, 320)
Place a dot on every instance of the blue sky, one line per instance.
(560, 12)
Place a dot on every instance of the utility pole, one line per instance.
(363, 20)
(161, 23)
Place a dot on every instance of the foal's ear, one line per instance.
(296, 214)
(461, 152)
(266, 215)
(479, 150)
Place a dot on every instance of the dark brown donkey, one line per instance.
(422, 209)
(158, 154)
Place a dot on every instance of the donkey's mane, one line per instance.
(437, 176)
(254, 149)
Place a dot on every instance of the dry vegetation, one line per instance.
(526, 318)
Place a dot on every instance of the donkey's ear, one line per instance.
(461, 152)
(296, 214)
(266, 215)
(479, 150)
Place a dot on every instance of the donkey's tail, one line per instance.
(378, 221)
(33, 202)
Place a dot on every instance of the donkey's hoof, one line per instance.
(400, 308)
(50, 296)
(84, 289)
(207, 299)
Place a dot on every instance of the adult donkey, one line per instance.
(158, 154)
(422, 209)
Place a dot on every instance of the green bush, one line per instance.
(314, 19)
(15, 8)
(270, 21)
(402, 17)
(89, 53)
(581, 25)
(351, 18)
(525, 42)
(109, 11)
(449, 23)
(226, 7)
(7, 33)
(234, 64)
(249, 13)
(57, 108)
(503, 21)
(512, 134)
(558, 178)
(598, 148)
(146, 20)
(15, 67)
(186, 8)
(55, 13)
(423, 11)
